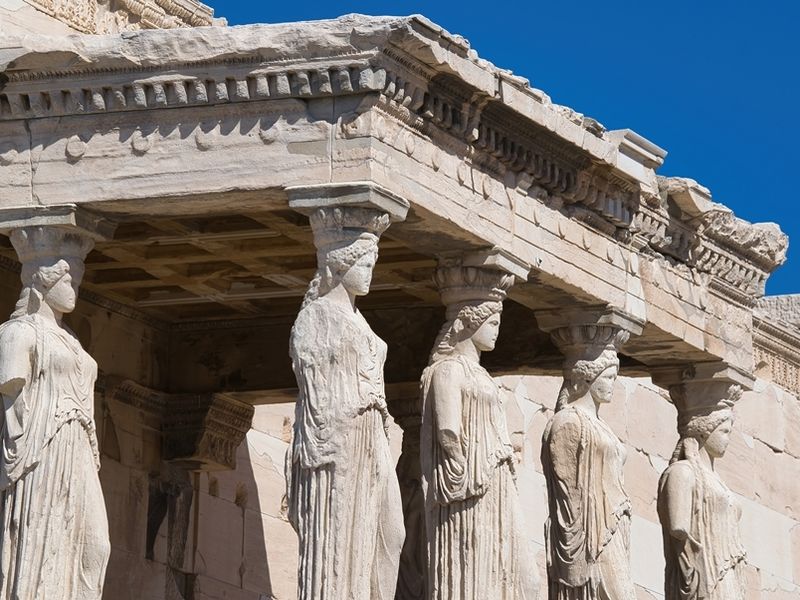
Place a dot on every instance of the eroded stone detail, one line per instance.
(476, 545)
(588, 530)
(203, 431)
(343, 496)
(55, 540)
(111, 16)
(699, 514)
(709, 238)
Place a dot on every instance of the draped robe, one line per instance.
(712, 570)
(342, 490)
(588, 530)
(476, 542)
(55, 542)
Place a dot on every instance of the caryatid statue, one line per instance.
(55, 543)
(588, 530)
(699, 514)
(476, 545)
(343, 494)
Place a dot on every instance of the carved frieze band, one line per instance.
(190, 91)
(736, 268)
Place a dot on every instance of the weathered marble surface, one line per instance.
(342, 489)
(55, 542)
(698, 512)
(63, 17)
(476, 545)
(588, 530)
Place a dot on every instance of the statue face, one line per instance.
(602, 388)
(718, 441)
(62, 296)
(485, 336)
(358, 278)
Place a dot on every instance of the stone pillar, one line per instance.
(699, 515)
(475, 535)
(342, 491)
(588, 529)
(55, 540)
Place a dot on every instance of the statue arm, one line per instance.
(18, 342)
(324, 368)
(678, 489)
(565, 437)
(447, 406)
(566, 482)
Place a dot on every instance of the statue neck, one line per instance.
(467, 349)
(46, 312)
(705, 458)
(340, 296)
(587, 405)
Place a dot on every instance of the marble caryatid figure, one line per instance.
(55, 543)
(698, 513)
(476, 547)
(343, 494)
(588, 530)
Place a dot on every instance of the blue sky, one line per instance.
(715, 83)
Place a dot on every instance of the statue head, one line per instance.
(52, 267)
(347, 249)
(474, 299)
(594, 376)
(591, 362)
(708, 426)
(52, 285)
(351, 265)
(478, 321)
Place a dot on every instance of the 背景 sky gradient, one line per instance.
(715, 83)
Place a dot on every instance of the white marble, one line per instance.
(477, 546)
(55, 542)
(588, 530)
(699, 513)
(342, 490)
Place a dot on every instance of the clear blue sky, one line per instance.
(715, 83)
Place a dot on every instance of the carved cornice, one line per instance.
(776, 345)
(535, 157)
(685, 226)
(138, 396)
(494, 132)
(203, 431)
(717, 374)
(199, 431)
(158, 91)
(78, 14)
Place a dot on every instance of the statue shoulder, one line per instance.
(447, 367)
(566, 424)
(18, 332)
(314, 321)
(680, 473)
(567, 417)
